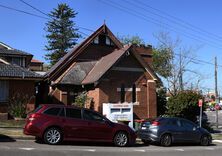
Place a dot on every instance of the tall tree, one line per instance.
(61, 34)
(131, 40)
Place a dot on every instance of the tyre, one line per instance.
(121, 139)
(53, 136)
(204, 141)
(38, 140)
(166, 140)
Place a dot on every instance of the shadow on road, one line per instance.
(5, 138)
(99, 144)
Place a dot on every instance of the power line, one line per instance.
(156, 22)
(34, 8)
(21, 11)
(86, 28)
(180, 20)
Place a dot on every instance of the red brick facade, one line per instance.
(24, 87)
(131, 69)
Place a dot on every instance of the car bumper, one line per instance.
(144, 135)
(31, 129)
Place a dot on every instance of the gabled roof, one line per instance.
(104, 64)
(7, 50)
(36, 61)
(70, 56)
(13, 71)
(77, 73)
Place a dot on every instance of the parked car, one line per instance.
(166, 131)
(56, 123)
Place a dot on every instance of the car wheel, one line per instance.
(38, 140)
(166, 140)
(146, 142)
(204, 141)
(121, 139)
(52, 136)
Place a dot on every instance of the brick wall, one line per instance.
(24, 88)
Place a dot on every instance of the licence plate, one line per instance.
(143, 128)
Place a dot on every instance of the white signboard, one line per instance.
(119, 112)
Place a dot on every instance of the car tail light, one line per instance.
(31, 119)
(155, 123)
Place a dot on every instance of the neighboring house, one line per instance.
(36, 65)
(108, 71)
(15, 76)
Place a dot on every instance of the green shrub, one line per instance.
(17, 104)
(185, 105)
(81, 99)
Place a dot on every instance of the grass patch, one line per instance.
(217, 136)
(12, 132)
(12, 123)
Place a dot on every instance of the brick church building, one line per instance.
(108, 72)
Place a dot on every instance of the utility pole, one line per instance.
(181, 73)
(216, 91)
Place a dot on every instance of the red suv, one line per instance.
(56, 123)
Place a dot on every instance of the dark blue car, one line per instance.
(168, 130)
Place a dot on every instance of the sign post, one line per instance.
(200, 104)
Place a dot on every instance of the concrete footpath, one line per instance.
(8, 133)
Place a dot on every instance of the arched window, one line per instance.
(122, 93)
(134, 93)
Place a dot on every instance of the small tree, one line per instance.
(18, 104)
(82, 100)
(184, 104)
(61, 33)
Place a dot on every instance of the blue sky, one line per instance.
(27, 33)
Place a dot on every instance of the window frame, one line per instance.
(51, 108)
(5, 90)
(100, 121)
(81, 115)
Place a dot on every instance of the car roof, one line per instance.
(66, 106)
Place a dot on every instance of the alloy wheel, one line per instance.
(121, 139)
(52, 136)
(166, 140)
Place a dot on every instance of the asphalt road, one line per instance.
(31, 148)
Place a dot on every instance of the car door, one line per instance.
(73, 124)
(176, 129)
(98, 127)
(191, 133)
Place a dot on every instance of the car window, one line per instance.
(73, 113)
(174, 122)
(188, 125)
(52, 111)
(89, 115)
(62, 112)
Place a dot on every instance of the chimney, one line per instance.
(145, 52)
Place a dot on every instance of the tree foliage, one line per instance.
(61, 34)
(185, 105)
(131, 40)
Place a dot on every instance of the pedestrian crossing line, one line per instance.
(179, 149)
(138, 150)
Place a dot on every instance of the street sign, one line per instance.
(200, 103)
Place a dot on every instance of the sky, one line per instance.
(195, 22)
